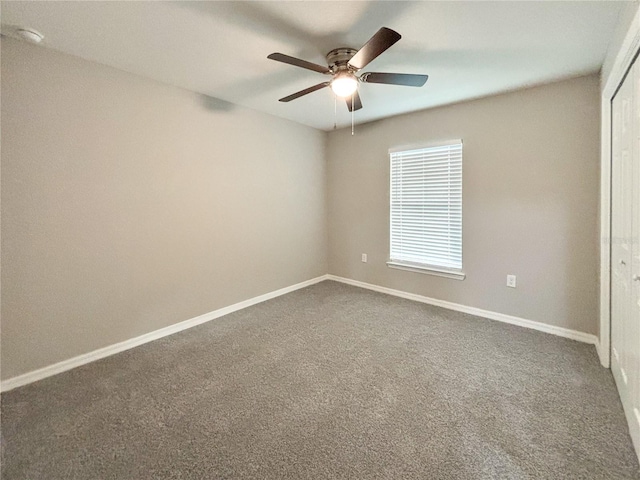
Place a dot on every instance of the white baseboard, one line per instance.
(599, 352)
(83, 359)
(500, 317)
(89, 357)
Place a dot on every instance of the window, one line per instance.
(426, 209)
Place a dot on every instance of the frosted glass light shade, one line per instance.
(344, 84)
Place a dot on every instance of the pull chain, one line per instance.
(335, 111)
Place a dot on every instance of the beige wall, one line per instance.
(128, 206)
(530, 202)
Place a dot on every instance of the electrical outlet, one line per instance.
(364, 258)
(511, 281)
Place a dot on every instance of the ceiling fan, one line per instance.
(344, 62)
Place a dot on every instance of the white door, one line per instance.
(625, 248)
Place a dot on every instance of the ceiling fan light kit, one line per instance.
(344, 84)
(343, 64)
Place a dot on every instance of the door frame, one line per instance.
(624, 59)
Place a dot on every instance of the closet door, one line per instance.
(625, 248)
(633, 343)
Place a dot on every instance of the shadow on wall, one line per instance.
(214, 104)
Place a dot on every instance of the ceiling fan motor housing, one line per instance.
(338, 59)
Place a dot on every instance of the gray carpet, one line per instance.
(330, 381)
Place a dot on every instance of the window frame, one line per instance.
(429, 269)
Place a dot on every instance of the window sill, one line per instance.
(427, 270)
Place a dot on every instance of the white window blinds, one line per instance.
(426, 207)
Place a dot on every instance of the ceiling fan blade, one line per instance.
(406, 79)
(382, 40)
(357, 104)
(296, 62)
(304, 92)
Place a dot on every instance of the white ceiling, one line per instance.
(468, 49)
